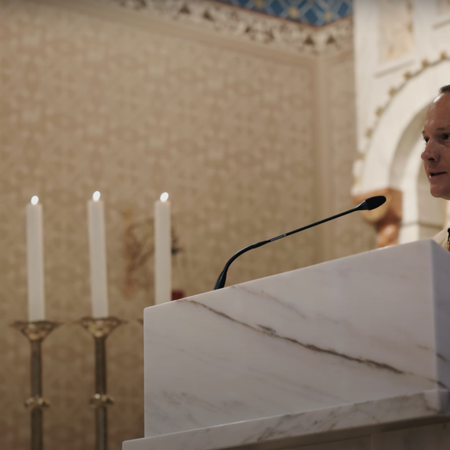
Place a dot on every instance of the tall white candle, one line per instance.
(35, 261)
(163, 247)
(97, 252)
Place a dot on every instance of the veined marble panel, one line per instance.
(357, 329)
(312, 427)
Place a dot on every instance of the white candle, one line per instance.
(163, 251)
(97, 252)
(35, 261)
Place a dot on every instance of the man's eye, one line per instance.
(425, 140)
(445, 136)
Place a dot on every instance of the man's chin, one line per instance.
(438, 193)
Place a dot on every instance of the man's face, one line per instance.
(436, 156)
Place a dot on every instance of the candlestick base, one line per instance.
(36, 332)
(100, 329)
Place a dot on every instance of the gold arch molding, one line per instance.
(393, 91)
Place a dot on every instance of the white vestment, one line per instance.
(442, 238)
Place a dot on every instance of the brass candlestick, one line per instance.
(100, 329)
(36, 332)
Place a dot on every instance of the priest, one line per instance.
(436, 155)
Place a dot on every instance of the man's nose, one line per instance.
(431, 152)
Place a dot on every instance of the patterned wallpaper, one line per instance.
(90, 103)
(351, 232)
(311, 12)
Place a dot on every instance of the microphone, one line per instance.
(368, 204)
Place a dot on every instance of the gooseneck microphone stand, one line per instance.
(368, 204)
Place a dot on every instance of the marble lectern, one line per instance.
(348, 354)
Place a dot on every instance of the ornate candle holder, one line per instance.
(100, 329)
(36, 332)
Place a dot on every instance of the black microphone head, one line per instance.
(372, 202)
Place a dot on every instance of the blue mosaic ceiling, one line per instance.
(312, 12)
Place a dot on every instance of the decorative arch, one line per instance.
(386, 136)
(392, 158)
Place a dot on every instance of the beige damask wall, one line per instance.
(249, 141)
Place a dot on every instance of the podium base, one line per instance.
(422, 418)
